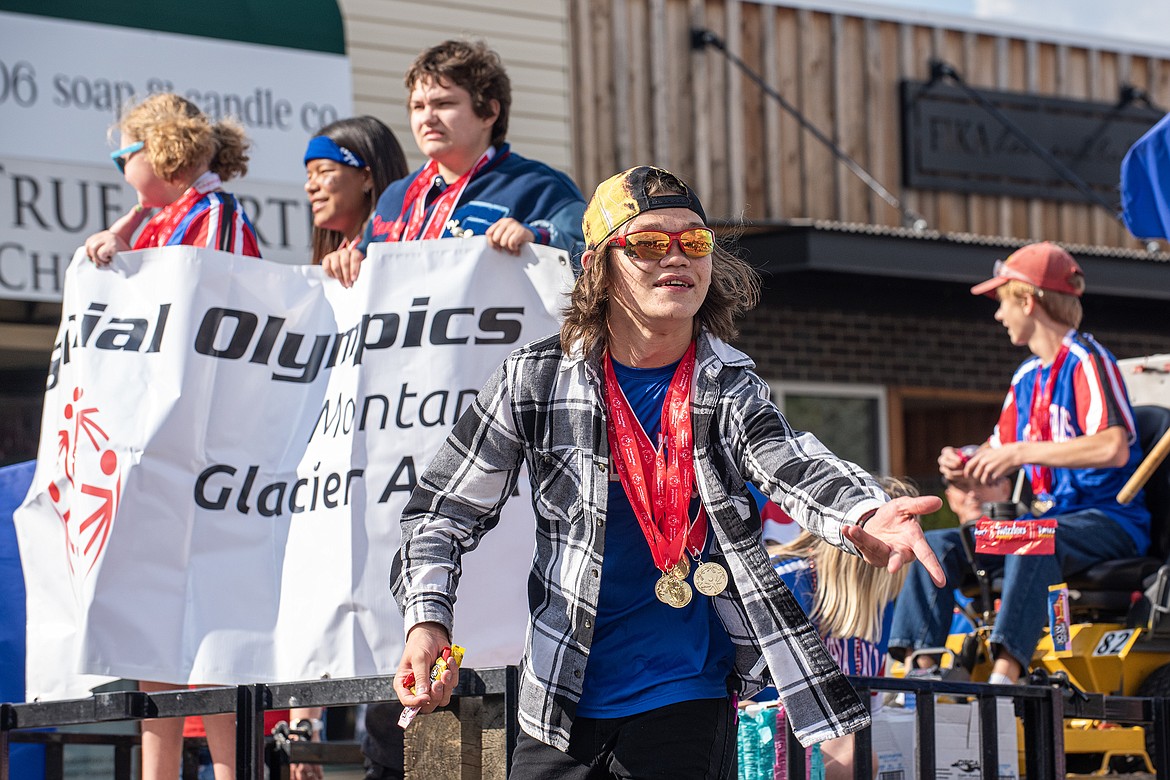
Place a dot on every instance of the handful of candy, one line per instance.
(449, 655)
(966, 452)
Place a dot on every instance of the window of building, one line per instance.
(851, 420)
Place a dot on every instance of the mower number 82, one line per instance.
(1113, 642)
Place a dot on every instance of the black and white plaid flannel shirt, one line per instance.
(545, 410)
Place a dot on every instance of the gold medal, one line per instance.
(1041, 506)
(710, 579)
(672, 591)
(681, 569)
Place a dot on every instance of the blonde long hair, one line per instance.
(851, 595)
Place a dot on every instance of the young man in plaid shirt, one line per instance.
(653, 602)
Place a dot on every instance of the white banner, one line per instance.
(226, 448)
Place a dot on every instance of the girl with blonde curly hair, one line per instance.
(176, 160)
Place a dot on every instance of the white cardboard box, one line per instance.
(893, 742)
(1147, 379)
(957, 749)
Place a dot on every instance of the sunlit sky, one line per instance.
(1142, 22)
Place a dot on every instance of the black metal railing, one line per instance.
(1042, 714)
(1042, 709)
(497, 686)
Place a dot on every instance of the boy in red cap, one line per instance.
(1068, 423)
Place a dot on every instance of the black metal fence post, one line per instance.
(511, 714)
(924, 733)
(1161, 726)
(1040, 728)
(55, 761)
(7, 723)
(251, 702)
(122, 762)
(1054, 722)
(793, 753)
(989, 737)
(863, 740)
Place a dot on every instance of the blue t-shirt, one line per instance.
(646, 654)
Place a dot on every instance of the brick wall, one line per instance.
(874, 331)
(826, 345)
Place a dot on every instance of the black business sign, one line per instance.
(950, 142)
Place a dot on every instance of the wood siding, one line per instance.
(531, 36)
(641, 94)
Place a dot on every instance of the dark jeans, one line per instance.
(383, 742)
(923, 611)
(693, 739)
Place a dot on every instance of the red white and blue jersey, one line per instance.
(217, 221)
(1088, 396)
(205, 216)
(853, 654)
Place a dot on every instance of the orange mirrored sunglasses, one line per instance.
(653, 245)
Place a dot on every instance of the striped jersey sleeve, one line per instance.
(218, 222)
(1098, 389)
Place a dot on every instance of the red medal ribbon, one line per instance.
(662, 507)
(409, 225)
(1040, 420)
(160, 228)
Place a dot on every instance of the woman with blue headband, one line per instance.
(347, 165)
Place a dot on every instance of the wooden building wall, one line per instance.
(642, 95)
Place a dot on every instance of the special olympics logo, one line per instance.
(92, 487)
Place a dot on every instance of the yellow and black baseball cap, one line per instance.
(620, 198)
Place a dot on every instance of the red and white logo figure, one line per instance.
(86, 500)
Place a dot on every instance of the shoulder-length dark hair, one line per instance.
(375, 143)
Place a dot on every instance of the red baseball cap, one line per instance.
(1043, 265)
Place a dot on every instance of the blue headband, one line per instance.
(324, 148)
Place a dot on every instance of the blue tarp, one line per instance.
(1145, 183)
(28, 761)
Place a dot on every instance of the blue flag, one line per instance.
(27, 761)
(1145, 183)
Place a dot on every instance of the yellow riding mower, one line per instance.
(1119, 633)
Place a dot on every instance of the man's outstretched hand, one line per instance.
(892, 536)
